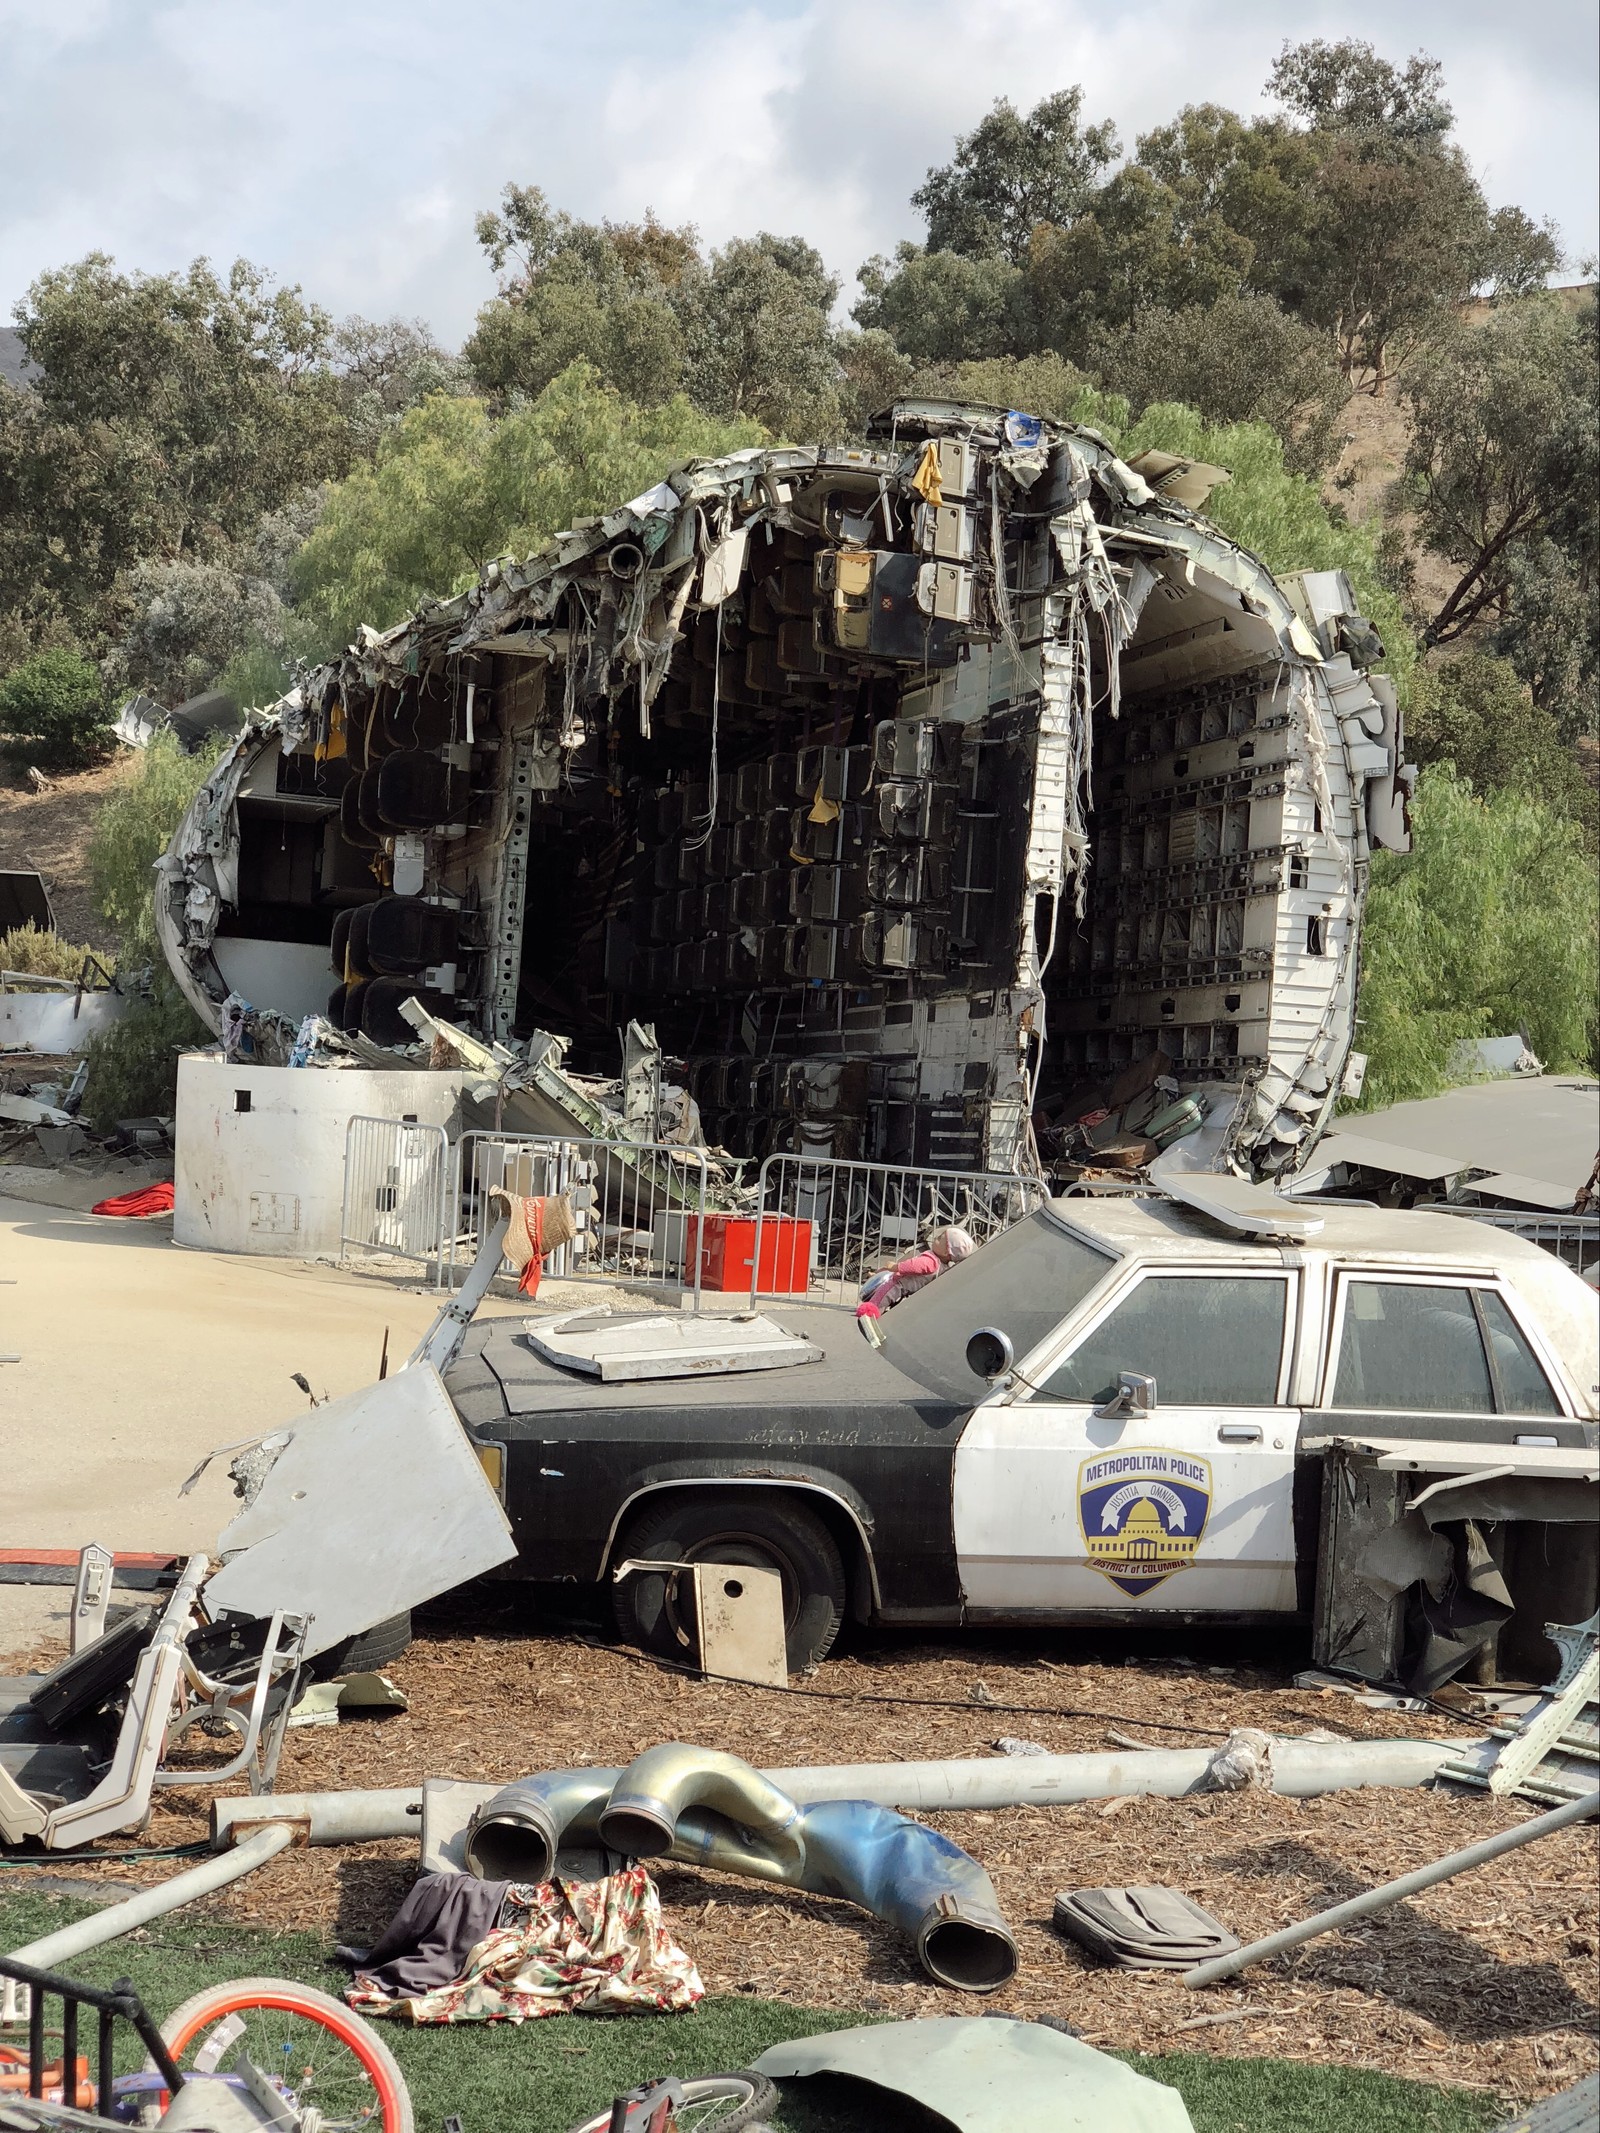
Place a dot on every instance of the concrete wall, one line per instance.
(260, 1150)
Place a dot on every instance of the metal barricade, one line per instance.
(399, 1180)
(638, 1205)
(863, 1216)
(1573, 1238)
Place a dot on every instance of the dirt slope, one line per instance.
(51, 831)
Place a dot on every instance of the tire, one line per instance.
(371, 2093)
(752, 1526)
(745, 2098)
(374, 1648)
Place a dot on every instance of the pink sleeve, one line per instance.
(920, 1263)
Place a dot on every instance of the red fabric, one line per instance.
(533, 1272)
(148, 1200)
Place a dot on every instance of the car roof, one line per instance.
(1156, 1227)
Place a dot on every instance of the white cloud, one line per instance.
(349, 147)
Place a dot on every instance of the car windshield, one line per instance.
(1024, 1281)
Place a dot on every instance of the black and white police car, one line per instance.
(1133, 1445)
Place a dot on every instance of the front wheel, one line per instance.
(317, 2053)
(754, 1527)
(715, 2103)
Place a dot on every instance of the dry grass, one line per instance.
(1488, 1981)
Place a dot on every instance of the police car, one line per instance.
(1116, 1411)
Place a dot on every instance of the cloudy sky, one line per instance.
(347, 145)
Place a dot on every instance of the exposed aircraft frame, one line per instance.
(913, 790)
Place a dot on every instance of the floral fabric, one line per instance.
(562, 1947)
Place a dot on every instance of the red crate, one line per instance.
(727, 1249)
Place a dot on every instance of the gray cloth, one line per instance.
(427, 1942)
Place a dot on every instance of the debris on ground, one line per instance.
(1492, 1978)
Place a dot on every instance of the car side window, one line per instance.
(1523, 1387)
(1411, 1345)
(1207, 1340)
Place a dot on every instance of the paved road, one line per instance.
(138, 1357)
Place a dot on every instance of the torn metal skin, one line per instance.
(904, 789)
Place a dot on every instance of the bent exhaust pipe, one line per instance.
(703, 1808)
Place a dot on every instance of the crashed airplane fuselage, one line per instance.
(909, 789)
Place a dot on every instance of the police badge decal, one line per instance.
(1143, 1513)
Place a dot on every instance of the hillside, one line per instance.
(51, 831)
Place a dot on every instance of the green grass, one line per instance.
(544, 2076)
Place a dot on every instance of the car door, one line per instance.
(1063, 1507)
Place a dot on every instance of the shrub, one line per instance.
(1489, 926)
(133, 828)
(53, 711)
(37, 953)
(133, 1065)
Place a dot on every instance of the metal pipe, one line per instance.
(321, 1817)
(1298, 1769)
(910, 1876)
(1389, 1892)
(119, 1918)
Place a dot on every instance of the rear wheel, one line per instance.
(754, 1527)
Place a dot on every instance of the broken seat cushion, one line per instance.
(1141, 1928)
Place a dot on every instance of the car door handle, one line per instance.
(1239, 1433)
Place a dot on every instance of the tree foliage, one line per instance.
(1473, 710)
(1040, 384)
(53, 711)
(943, 307)
(169, 412)
(452, 487)
(1010, 174)
(1240, 359)
(1353, 212)
(1348, 88)
(1504, 460)
(1487, 927)
(744, 331)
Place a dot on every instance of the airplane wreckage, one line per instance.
(915, 792)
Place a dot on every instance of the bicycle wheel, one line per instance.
(311, 2047)
(715, 2103)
